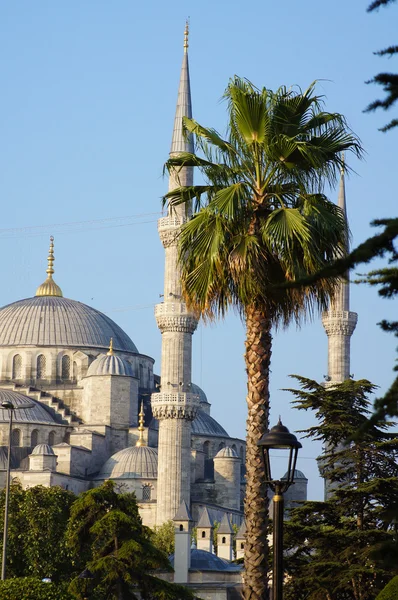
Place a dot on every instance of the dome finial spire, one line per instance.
(141, 428)
(49, 287)
(110, 353)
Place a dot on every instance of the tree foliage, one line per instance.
(390, 592)
(262, 219)
(30, 588)
(388, 81)
(38, 519)
(347, 547)
(163, 537)
(105, 531)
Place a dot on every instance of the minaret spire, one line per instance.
(175, 406)
(339, 322)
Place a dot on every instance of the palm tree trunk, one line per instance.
(257, 358)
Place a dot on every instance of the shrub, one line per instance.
(390, 592)
(30, 588)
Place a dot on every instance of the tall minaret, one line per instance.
(339, 322)
(175, 406)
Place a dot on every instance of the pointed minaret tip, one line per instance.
(186, 35)
(141, 442)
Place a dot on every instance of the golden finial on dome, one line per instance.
(186, 34)
(141, 428)
(110, 353)
(49, 287)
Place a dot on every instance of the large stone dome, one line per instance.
(131, 463)
(36, 414)
(57, 321)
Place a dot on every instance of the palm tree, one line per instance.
(261, 220)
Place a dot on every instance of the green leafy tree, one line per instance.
(38, 519)
(30, 588)
(390, 592)
(347, 547)
(261, 220)
(388, 81)
(163, 537)
(106, 535)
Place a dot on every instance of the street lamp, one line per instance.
(279, 438)
(86, 576)
(8, 405)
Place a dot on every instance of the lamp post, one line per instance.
(279, 438)
(8, 405)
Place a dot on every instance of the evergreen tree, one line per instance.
(347, 547)
(106, 535)
(388, 81)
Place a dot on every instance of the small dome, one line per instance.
(131, 463)
(297, 475)
(195, 389)
(206, 561)
(110, 364)
(43, 449)
(36, 414)
(226, 452)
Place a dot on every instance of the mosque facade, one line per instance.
(98, 410)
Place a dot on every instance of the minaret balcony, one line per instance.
(174, 316)
(175, 405)
(339, 322)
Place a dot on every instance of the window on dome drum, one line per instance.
(16, 437)
(74, 370)
(51, 438)
(146, 492)
(17, 367)
(34, 438)
(65, 367)
(41, 366)
(233, 447)
(221, 446)
(206, 449)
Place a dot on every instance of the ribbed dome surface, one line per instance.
(110, 364)
(206, 561)
(43, 449)
(226, 452)
(37, 414)
(131, 463)
(55, 321)
(203, 424)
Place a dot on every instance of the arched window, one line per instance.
(17, 367)
(51, 438)
(206, 449)
(41, 366)
(74, 370)
(242, 454)
(146, 493)
(221, 446)
(67, 437)
(242, 546)
(181, 527)
(234, 447)
(16, 437)
(65, 367)
(141, 383)
(203, 534)
(34, 438)
(224, 540)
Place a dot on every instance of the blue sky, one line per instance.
(88, 92)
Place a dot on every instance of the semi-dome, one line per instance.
(203, 425)
(297, 475)
(226, 452)
(206, 561)
(43, 449)
(57, 321)
(36, 414)
(110, 364)
(131, 463)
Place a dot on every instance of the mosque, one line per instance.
(97, 409)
